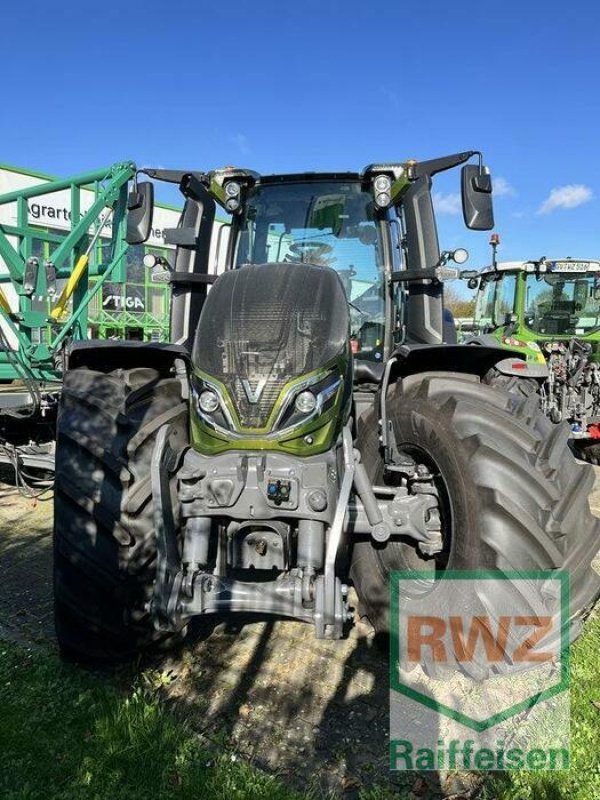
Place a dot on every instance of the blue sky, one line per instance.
(280, 86)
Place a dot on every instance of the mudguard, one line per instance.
(522, 369)
(408, 359)
(108, 355)
(473, 359)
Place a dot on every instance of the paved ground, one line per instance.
(309, 710)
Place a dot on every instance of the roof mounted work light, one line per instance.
(382, 190)
(233, 192)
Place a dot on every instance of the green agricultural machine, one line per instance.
(307, 428)
(549, 310)
(49, 281)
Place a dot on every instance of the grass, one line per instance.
(582, 781)
(68, 734)
(65, 733)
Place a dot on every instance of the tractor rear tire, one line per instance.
(515, 498)
(511, 383)
(104, 540)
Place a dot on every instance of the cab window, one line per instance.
(505, 299)
(485, 302)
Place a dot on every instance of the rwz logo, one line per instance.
(465, 636)
(456, 638)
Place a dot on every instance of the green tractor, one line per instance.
(308, 428)
(549, 310)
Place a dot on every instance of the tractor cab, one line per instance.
(375, 229)
(535, 305)
(326, 221)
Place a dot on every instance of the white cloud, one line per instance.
(570, 196)
(240, 140)
(502, 188)
(447, 203)
(390, 96)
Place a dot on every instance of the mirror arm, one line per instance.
(171, 175)
(193, 188)
(435, 165)
(436, 274)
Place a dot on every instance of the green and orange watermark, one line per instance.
(479, 670)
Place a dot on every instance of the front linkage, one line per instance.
(232, 506)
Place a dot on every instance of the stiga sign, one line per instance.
(479, 670)
(119, 298)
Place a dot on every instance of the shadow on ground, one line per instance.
(25, 569)
(314, 712)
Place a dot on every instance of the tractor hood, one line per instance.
(266, 334)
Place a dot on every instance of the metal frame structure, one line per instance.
(149, 323)
(51, 296)
(40, 336)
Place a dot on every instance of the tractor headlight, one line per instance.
(305, 402)
(382, 183)
(308, 401)
(208, 401)
(301, 405)
(512, 342)
(210, 405)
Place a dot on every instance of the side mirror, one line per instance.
(140, 208)
(476, 192)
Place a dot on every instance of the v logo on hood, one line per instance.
(253, 395)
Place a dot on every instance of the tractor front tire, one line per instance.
(104, 539)
(513, 498)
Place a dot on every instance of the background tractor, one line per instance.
(549, 310)
(308, 426)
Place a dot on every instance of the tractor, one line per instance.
(549, 310)
(308, 427)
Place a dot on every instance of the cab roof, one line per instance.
(551, 264)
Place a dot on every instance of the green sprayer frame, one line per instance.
(39, 337)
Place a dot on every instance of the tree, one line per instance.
(460, 306)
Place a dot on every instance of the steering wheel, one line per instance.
(307, 250)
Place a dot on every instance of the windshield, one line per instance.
(327, 224)
(560, 303)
